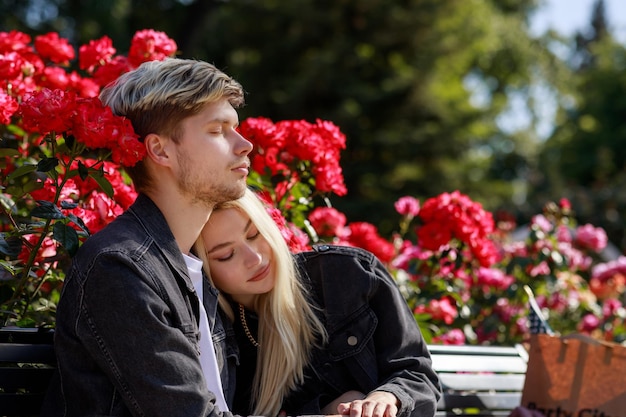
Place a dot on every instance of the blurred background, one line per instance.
(513, 102)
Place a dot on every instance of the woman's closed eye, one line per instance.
(254, 233)
(224, 257)
(228, 253)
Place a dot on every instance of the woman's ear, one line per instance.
(157, 148)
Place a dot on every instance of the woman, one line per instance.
(329, 329)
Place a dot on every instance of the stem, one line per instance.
(34, 249)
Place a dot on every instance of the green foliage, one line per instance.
(585, 159)
(394, 77)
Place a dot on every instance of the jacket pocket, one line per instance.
(353, 335)
(351, 360)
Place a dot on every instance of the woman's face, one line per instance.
(240, 259)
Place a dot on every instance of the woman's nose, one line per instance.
(253, 257)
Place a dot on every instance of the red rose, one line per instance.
(8, 106)
(48, 110)
(51, 46)
(95, 53)
(150, 45)
(53, 78)
(13, 41)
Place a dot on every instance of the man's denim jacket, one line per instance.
(126, 337)
(374, 340)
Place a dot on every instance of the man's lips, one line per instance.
(261, 274)
(242, 168)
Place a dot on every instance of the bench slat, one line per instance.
(459, 363)
(482, 382)
(26, 353)
(472, 350)
(497, 401)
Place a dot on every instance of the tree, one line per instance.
(395, 77)
(418, 86)
(585, 157)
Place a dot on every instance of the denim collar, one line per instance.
(150, 217)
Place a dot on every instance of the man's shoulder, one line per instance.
(125, 236)
(133, 227)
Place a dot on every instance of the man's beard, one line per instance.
(202, 190)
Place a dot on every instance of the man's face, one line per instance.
(212, 156)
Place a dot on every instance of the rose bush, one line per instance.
(460, 267)
(462, 271)
(60, 159)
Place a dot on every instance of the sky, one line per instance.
(568, 16)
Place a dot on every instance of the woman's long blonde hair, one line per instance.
(288, 326)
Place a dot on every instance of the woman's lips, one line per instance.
(262, 274)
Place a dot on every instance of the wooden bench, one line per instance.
(26, 367)
(479, 380)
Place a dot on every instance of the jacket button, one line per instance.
(352, 340)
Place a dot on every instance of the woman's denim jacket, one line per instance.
(374, 340)
(126, 336)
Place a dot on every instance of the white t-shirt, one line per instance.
(207, 350)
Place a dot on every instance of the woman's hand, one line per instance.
(376, 404)
(346, 397)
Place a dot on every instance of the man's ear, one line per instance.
(157, 148)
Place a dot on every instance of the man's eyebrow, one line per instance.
(221, 120)
(224, 244)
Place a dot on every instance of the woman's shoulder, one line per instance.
(327, 251)
(341, 264)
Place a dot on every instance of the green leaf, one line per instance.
(67, 236)
(47, 210)
(47, 164)
(21, 171)
(68, 205)
(32, 186)
(31, 227)
(83, 171)
(106, 186)
(10, 246)
(8, 152)
(427, 334)
(69, 141)
(79, 222)
(8, 203)
(15, 130)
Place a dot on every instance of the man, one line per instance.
(132, 337)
